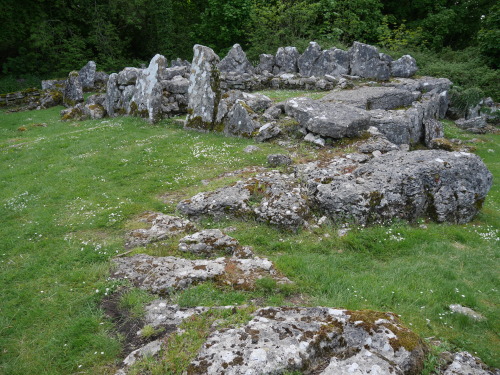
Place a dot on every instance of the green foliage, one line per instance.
(489, 36)
(134, 300)
(281, 23)
(463, 99)
(395, 37)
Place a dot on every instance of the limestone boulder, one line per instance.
(315, 340)
(204, 89)
(445, 186)
(332, 62)
(236, 61)
(464, 363)
(366, 62)
(86, 75)
(371, 97)
(147, 96)
(335, 120)
(266, 64)
(307, 60)
(286, 60)
(73, 91)
(164, 275)
(405, 67)
(128, 76)
(208, 242)
(161, 227)
(433, 129)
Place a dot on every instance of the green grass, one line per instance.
(70, 190)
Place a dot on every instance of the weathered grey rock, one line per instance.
(266, 64)
(86, 75)
(95, 106)
(113, 95)
(457, 308)
(433, 129)
(160, 313)
(333, 62)
(445, 186)
(164, 275)
(204, 89)
(239, 121)
(229, 200)
(293, 338)
(464, 363)
(267, 131)
(171, 73)
(161, 227)
(284, 204)
(176, 85)
(317, 140)
(236, 61)
(50, 98)
(128, 76)
(333, 120)
(366, 62)
(276, 160)
(208, 242)
(370, 98)
(405, 67)
(270, 197)
(473, 123)
(146, 100)
(286, 60)
(74, 113)
(149, 350)
(53, 84)
(73, 91)
(376, 142)
(179, 62)
(307, 60)
(274, 112)
(100, 80)
(400, 126)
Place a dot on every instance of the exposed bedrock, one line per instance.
(318, 340)
(441, 185)
(445, 186)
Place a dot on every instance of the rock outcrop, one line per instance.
(445, 186)
(164, 275)
(161, 227)
(315, 340)
(73, 91)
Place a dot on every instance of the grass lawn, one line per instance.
(70, 190)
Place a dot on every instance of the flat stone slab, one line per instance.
(208, 242)
(369, 98)
(164, 275)
(335, 120)
(280, 339)
(446, 186)
(161, 227)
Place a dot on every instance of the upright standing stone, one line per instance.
(87, 75)
(286, 60)
(146, 101)
(236, 61)
(308, 59)
(366, 62)
(73, 92)
(405, 67)
(334, 62)
(266, 63)
(204, 89)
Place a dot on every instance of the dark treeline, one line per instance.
(51, 37)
